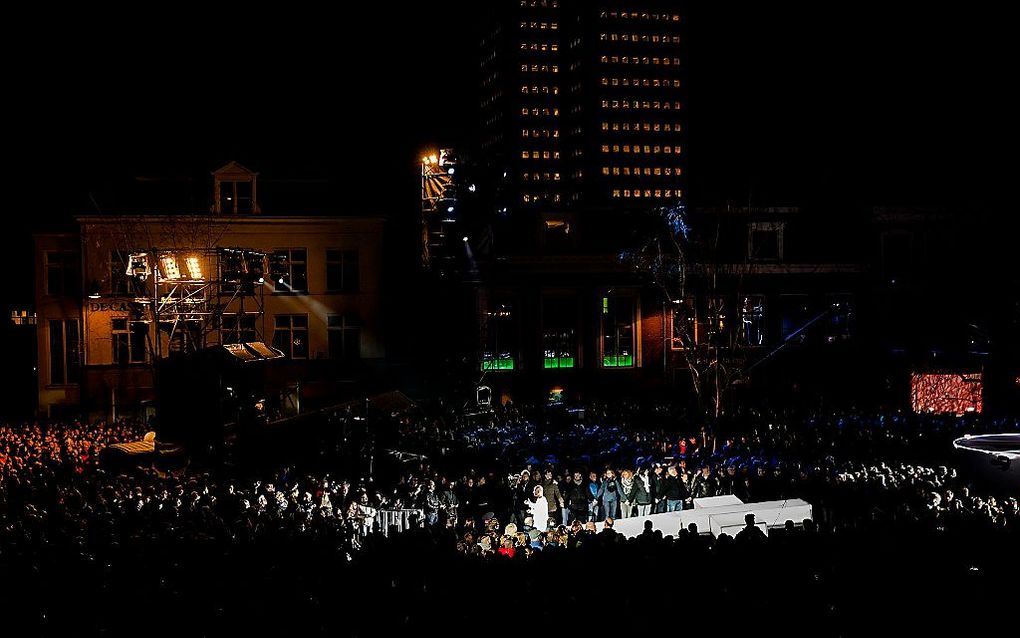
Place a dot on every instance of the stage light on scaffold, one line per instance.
(170, 269)
(194, 268)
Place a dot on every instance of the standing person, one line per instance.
(628, 493)
(704, 484)
(594, 487)
(673, 490)
(729, 480)
(642, 493)
(538, 507)
(577, 497)
(658, 486)
(433, 504)
(609, 494)
(551, 490)
(450, 502)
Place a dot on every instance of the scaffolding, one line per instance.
(203, 297)
(439, 205)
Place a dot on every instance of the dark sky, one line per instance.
(832, 101)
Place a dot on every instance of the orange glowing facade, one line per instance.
(97, 341)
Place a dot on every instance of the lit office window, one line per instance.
(618, 318)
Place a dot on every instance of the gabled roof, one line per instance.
(234, 168)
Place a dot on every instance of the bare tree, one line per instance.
(680, 266)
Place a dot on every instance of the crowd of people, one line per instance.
(92, 548)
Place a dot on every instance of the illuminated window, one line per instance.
(63, 273)
(129, 341)
(618, 318)
(65, 352)
(717, 321)
(525, 155)
(500, 342)
(616, 192)
(684, 324)
(342, 271)
(752, 321)
(295, 275)
(290, 335)
(236, 196)
(344, 332)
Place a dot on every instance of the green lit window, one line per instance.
(618, 331)
(559, 332)
(500, 338)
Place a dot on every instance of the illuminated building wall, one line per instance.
(326, 317)
(624, 121)
(581, 102)
(522, 100)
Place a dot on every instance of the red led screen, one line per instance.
(946, 393)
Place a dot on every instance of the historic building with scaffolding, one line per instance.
(127, 290)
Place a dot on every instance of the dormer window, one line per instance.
(234, 190)
(235, 197)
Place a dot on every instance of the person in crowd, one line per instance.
(642, 495)
(704, 484)
(609, 494)
(433, 504)
(551, 491)
(538, 508)
(658, 489)
(577, 498)
(674, 492)
(595, 511)
(450, 504)
(628, 492)
(728, 480)
(751, 533)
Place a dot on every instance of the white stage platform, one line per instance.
(716, 501)
(726, 518)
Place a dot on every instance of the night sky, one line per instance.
(836, 103)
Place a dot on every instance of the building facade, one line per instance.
(580, 103)
(97, 341)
